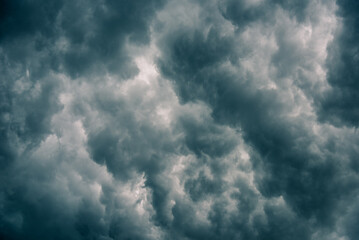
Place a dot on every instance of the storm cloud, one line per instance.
(163, 119)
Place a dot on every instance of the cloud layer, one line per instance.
(166, 119)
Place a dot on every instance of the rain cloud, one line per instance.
(193, 119)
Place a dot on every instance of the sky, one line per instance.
(179, 120)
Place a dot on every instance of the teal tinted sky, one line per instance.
(179, 120)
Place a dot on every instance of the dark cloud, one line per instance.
(307, 181)
(242, 13)
(80, 36)
(339, 105)
(178, 120)
(42, 45)
(98, 40)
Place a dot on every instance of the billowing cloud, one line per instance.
(190, 119)
(339, 105)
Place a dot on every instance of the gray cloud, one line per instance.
(178, 120)
(339, 104)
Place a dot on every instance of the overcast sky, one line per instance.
(179, 119)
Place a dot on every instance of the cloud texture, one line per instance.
(164, 119)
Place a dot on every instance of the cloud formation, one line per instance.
(189, 119)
